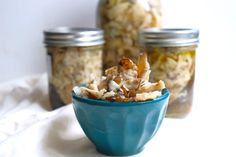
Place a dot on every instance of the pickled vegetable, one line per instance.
(176, 67)
(71, 66)
(121, 20)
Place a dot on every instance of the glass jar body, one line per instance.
(121, 20)
(70, 66)
(176, 66)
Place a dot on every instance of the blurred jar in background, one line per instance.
(74, 57)
(171, 54)
(121, 20)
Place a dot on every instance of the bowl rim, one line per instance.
(98, 102)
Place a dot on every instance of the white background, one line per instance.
(213, 120)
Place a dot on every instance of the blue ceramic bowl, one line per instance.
(120, 128)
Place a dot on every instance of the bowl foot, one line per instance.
(120, 153)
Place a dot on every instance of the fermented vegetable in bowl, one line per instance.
(124, 83)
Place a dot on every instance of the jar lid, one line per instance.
(169, 37)
(71, 36)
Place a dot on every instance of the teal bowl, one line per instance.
(120, 128)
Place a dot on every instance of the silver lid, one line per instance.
(168, 37)
(66, 36)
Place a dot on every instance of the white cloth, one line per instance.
(28, 128)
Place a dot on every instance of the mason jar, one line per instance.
(171, 54)
(74, 57)
(121, 20)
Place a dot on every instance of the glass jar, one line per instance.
(74, 57)
(121, 20)
(171, 54)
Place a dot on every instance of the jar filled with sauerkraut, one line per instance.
(121, 20)
(171, 54)
(74, 56)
